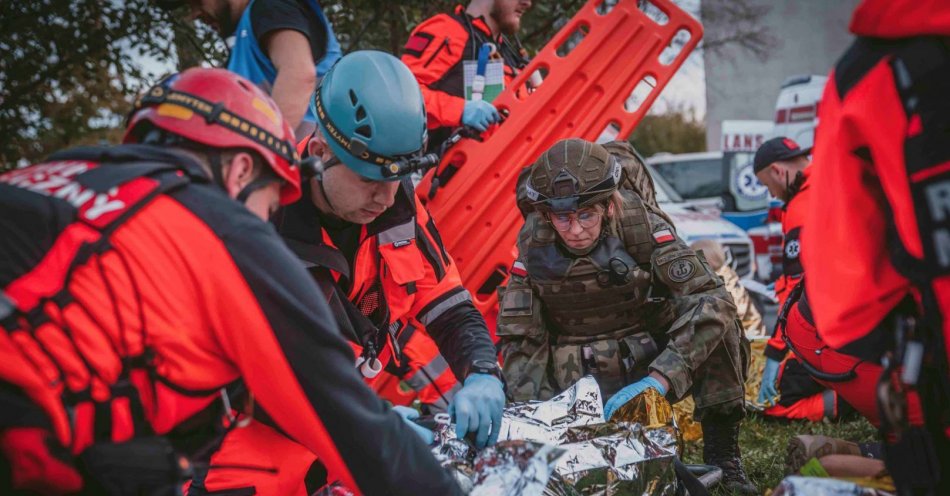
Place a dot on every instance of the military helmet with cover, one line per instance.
(573, 174)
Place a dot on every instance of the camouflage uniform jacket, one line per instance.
(563, 316)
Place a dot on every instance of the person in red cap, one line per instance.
(147, 309)
(878, 247)
(443, 52)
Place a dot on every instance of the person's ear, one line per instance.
(610, 209)
(776, 172)
(315, 146)
(238, 173)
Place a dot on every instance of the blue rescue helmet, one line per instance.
(370, 110)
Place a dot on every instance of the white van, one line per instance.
(692, 224)
(796, 111)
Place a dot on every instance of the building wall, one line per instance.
(810, 35)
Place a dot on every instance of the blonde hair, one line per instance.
(713, 251)
(613, 218)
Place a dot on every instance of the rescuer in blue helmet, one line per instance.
(377, 253)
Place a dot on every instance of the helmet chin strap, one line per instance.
(258, 183)
(326, 197)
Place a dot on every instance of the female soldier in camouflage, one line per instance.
(603, 286)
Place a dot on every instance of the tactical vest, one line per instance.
(602, 307)
(606, 293)
(452, 82)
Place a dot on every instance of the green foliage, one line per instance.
(363, 24)
(677, 131)
(71, 70)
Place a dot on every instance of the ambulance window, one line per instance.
(693, 179)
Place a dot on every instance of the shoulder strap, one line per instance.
(635, 228)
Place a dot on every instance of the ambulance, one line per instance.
(796, 111)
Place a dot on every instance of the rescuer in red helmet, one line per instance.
(147, 309)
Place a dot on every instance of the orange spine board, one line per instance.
(583, 93)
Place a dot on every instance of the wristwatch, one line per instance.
(489, 367)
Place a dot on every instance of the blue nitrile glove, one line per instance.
(630, 392)
(767, 391)
(410, 414)
(477, 407)
(479, 114)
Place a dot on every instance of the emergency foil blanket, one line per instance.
(563, 446)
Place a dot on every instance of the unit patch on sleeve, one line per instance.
(681, 270)
(417, 44)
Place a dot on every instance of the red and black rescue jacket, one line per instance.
(134, 290)
(882, 173)
(793, 218)
(401, 268)
(436, 52)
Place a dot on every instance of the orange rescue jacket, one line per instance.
(436, 51)
(134, 291)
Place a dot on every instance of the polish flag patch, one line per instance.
(663, 236)
(518, 269)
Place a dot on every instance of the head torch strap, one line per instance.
(408, 165)
(217, 114)
(356, 147)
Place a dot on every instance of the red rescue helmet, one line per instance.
(219, 109)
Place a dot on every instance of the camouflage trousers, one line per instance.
(717, 385)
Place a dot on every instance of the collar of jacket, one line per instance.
(136, 153)
(798, 185)
(299, 224)
(479, 22)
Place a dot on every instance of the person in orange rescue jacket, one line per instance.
(442, 49)
(878, 270)
(141, 290)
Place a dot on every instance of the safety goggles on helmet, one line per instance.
(565, 196)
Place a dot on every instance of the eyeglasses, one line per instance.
(586, 218)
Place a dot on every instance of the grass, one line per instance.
(763, 443)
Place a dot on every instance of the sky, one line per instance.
(688, 86)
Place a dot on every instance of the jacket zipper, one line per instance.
(445, 44)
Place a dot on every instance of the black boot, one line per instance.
(721, 448)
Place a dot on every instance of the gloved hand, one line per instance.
(477, 407)
(767, 391)
(410, 414)
(630, 392)
(479, 114)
